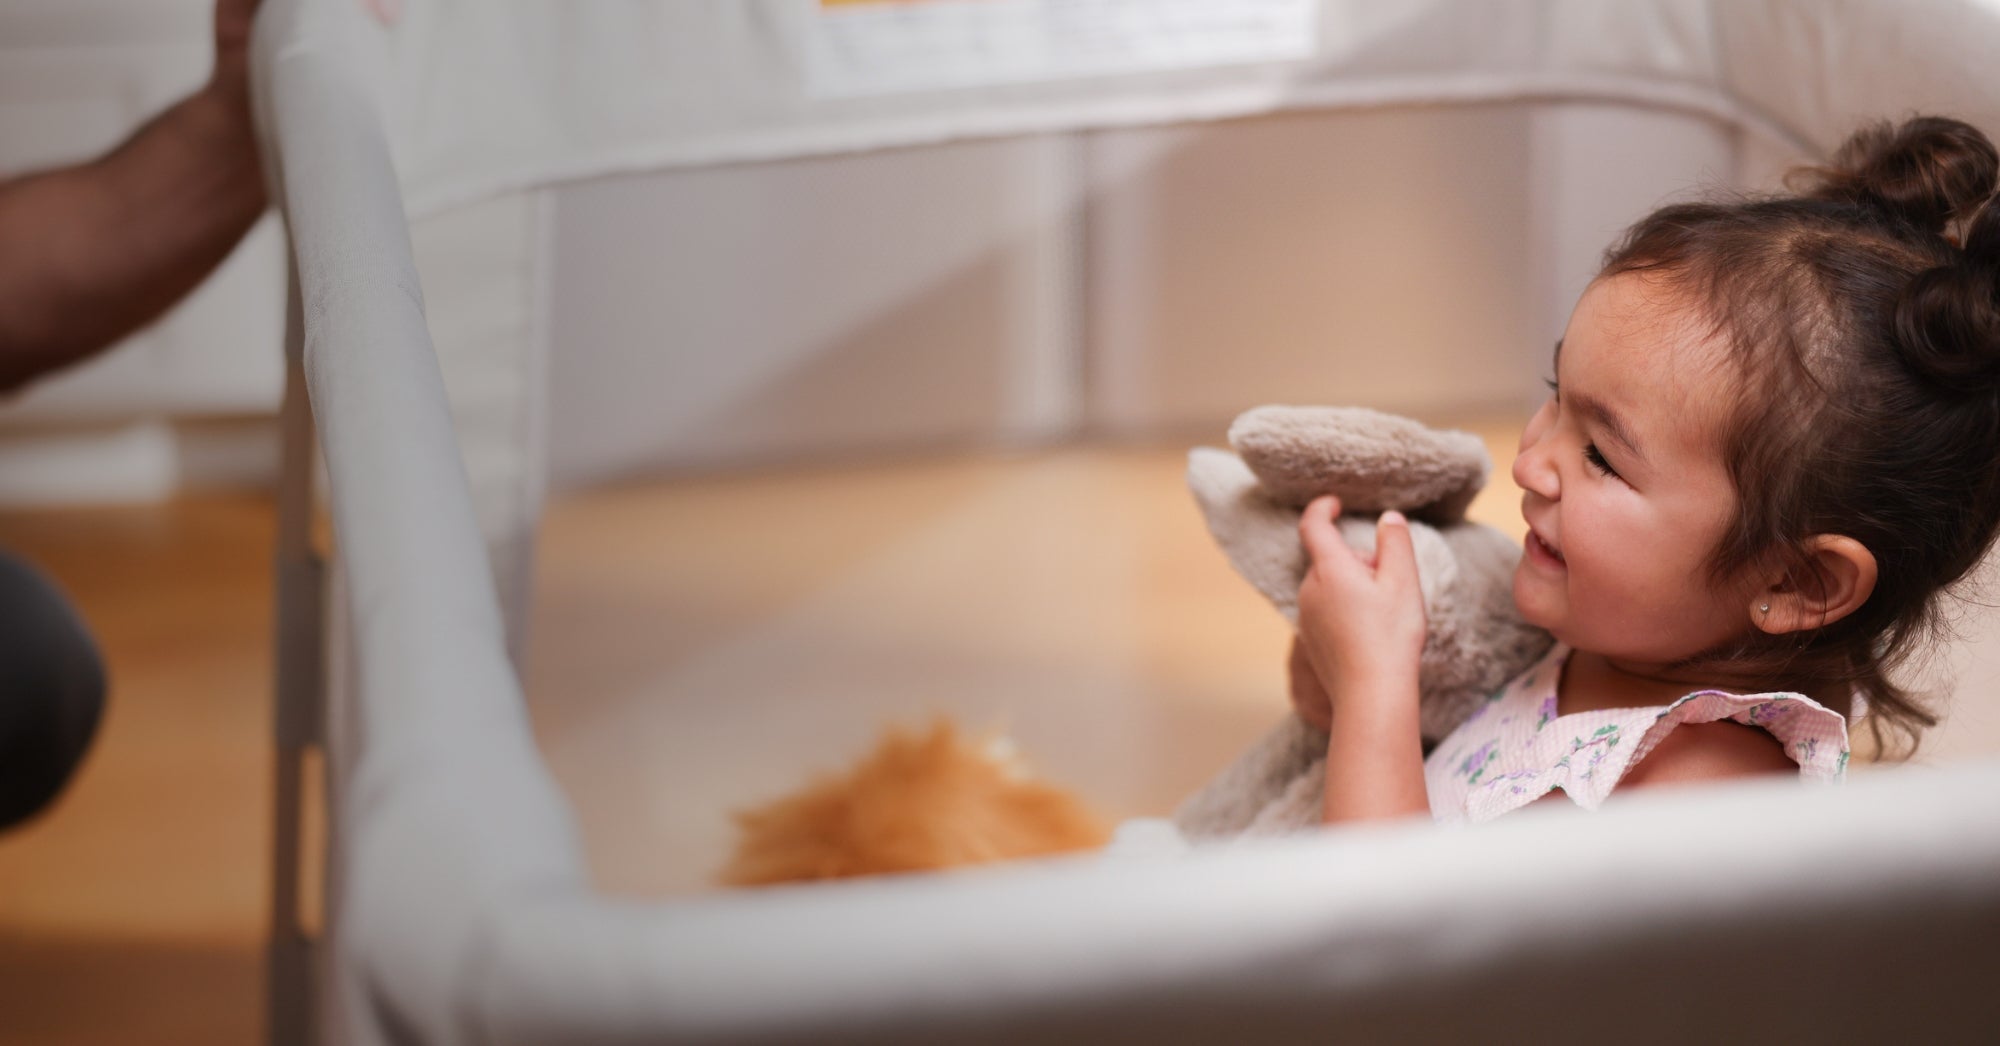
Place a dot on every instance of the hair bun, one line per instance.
(1926, 171)
(1948, 320)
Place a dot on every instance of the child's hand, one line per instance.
(1362, 623)
(1309, 697)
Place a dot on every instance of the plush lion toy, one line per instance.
(940, 802)
(917, 804)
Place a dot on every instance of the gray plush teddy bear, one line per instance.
(1284, 458)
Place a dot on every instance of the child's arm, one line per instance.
(1362, 626)
(1309, 696)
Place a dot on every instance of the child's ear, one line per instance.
(1842, 577)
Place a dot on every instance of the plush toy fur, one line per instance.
(919, 803)
(938, 802)
(1252, 499)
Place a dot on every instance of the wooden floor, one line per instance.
(132, 911)
(698, 646)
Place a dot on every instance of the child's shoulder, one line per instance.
(1714, 734)
(1710, 751)
(1521, 745)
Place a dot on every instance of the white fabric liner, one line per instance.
(461, 908)
(488, 95)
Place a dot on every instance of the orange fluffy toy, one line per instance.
(916, 804)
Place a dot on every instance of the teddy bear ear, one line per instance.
(1260, 536)
(1372, 461)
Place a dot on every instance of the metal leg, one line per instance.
(300, 683)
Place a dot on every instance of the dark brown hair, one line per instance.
(1869, 344)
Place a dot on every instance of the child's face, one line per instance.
(1624, 486)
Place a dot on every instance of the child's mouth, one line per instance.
(1542, 550)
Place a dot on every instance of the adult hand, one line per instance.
(1362, 622)
(233, 19)
(130, 233)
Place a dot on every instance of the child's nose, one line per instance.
(1533, 468)
(1531, 433)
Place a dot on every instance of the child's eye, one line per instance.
(1554, 392)
(1596, 459)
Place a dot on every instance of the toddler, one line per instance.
(1769, 445)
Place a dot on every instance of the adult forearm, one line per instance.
(1374, 757)
(89, 254)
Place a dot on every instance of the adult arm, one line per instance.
(90, 253)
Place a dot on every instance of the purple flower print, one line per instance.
(1600, 744)
(1548, 711)
(1474, 765)
(1768, 712)
(1512, 775)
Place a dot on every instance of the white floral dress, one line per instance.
(1515, 748)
